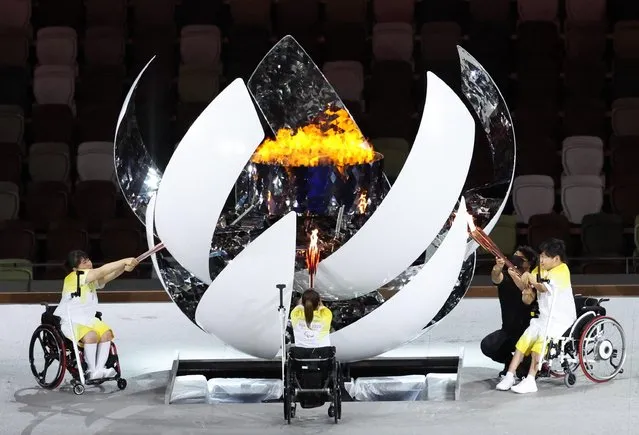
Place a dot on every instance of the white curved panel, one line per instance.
(201, 174)
(416, 207)
(150, 240)
(240, 307)
(403, 316)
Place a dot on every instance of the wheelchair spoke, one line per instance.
(602, 349)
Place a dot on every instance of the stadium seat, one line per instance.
(395, 151)
(347, 77)
(52, 123)
(542, 227)
(533, 195)
(581, 195)
(14, 49)
(201, 45)
(586, 10)
(57, 46)
(95, 202)
(197, 83)
(625, 112)
(104, 46)
(582, 155)
(11, 124)
(95, 161)
(9, 200)
(49, 161)
(54, 84)
(393, 41)
(109, 13)
(538, 10)
(394, 11)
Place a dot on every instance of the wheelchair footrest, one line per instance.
(312, 390)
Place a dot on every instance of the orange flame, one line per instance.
(362, 203)
(333, 138)
(313, 256)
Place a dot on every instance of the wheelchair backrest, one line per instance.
(585, 304)
(48, 318)
(311, 366)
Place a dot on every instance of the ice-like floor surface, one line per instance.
(150, 335)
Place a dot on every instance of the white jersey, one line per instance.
(80, 308)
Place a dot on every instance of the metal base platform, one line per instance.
(370, 370)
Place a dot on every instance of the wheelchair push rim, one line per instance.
(602, 349)
(48, 341)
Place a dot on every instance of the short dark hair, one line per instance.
(75, 258)
(529, 253)
(553, 248)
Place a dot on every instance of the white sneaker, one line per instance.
(96, 374)
(506, 383)
(109, 373)
(528, 385)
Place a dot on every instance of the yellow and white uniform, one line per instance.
(81, 309)
(564, 312)
(318, 333)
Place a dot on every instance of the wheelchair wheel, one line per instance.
(602, 349)
(47, 344)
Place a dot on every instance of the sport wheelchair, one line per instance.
(312, 376)
(49, 339)
(595, 342)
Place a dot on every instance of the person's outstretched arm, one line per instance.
(109, 270)
(128, 267)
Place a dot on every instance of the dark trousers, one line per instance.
(500, 345)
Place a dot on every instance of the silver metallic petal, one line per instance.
(289, 88)
(137, 174)
(488, 201)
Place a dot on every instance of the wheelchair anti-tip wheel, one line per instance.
(78, 389)
(570, 379)
(602, 349)
(122, 383)
(48, 346)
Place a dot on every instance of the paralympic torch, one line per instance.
(312, 257)
(478, 235)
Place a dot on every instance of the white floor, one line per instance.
(150, 335)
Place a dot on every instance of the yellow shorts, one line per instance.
(98, 326)
(528, 343)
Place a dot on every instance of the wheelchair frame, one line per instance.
(331, 390)
(570, 349)
(61, 349)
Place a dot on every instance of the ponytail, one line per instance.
(310, 301)
(308, 312)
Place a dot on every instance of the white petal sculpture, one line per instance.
(416, 207)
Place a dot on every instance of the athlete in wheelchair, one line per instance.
(73, 331)
(573, 331)
(312, 375)
(595, 342)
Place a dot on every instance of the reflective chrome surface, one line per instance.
(484, 96)
(137, 173)
(289, 89)
(317, 190)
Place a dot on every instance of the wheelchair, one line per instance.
(595, 342)
(59, 356)
(312, 376)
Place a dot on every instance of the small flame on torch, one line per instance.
(312, 257)
(362, 203)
